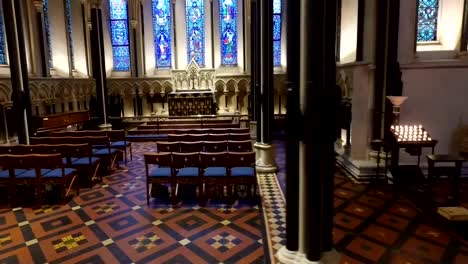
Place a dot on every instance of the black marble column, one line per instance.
(320, 115)
(255, 64)
(98, 62)
(464, 37)
(12, 12)
(293, 124)
(264, 125)
(387, 70)
(360, 30)
(40, 28)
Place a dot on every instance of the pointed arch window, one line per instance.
(428, 14)
(195, 19)
(277, 32)
(47, 31)
(68, 18)
(228, 31)
(119, 34)
(3, 52)
(162, 33)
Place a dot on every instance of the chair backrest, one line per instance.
(187, 147)
(216, 137)
(117, 135)
(38, 161)
(163, 159)
(242, 159)
(40, 140)
(82, 133)
(195, 137)
(167, 146)
(176, 137)
(180, 160)
(239, 146)
(239, 130)
(218, 130)
(213, 159)
(215, 146)
(239, 136)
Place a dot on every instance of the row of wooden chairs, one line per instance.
(208, 137)
(117, 138)
(200, 168)
(196, 130)
(205, 146)
(76, 156)
(37, 170)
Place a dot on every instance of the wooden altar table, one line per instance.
(190, 102)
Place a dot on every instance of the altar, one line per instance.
(193, 93)
(191, 102)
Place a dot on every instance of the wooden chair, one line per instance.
(176, 137)
(239, 130)
(242, 171)
(216, 137)
(119, 141)
(160, 174)
(168, 147)
(195, 137)
(214, 171)
(239, 136)
(187, 170)
(187, 147)
(215, 146)
(239, 146)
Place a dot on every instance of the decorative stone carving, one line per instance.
(193, 78)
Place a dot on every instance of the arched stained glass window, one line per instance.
(195, 17)
(47, 31)
(69, 31)
(228, 31)
(428, 12)
(162, 33)
(119, 34)
(276, 32)
(3, 56)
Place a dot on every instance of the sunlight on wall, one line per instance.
(348, 39)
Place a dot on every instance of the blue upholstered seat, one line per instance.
(215, 172)
(104, 151)
(242, 171)
(120, 144)
(56, 173)
(160, 172)
(84, 161)
(4, 174)
(31, 173)
(187, 172)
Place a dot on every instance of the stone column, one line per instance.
(86, 27)
(254, 101)
(98, 61)
(40, 29)
(18, 68)
(265, 151)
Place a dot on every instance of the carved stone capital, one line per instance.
(84, 2)
(95, 3)
(134, 23)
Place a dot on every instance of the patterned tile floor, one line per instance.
(373, 226)
(111, 223)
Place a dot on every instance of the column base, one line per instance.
(253, 130)
(105, 127)
(293, 257)
(265, 158)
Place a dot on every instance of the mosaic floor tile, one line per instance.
(367, 249)
(423, 249)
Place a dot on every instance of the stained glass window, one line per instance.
(276, 32)
(162, 33)
(69, 31)
(47, 31)
(195, 17)
(119, 34)
(428, 12)
(3, 56)
(228, 31)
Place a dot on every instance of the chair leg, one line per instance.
(131, 155)
(147, 193)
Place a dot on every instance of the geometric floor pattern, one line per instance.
(372, 225)
(111, 223)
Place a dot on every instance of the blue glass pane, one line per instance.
(70, 31)
(118, 9)
(276, 6)
(3, 58)
(119, 32)
(277, 53)
(195, 17)
(228, 31)
(276, 27)
(47, 30)
(119, 35)
(121, 58)
(428, 12)
(162, 33)
(277, 32)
